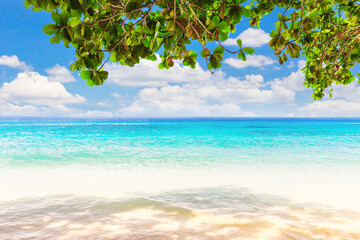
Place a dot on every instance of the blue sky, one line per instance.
(35, 80)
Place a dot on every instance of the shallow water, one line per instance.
(210, 213)
(179, 179)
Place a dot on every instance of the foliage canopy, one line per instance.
(326, 32)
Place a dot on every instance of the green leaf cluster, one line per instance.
(326, 33)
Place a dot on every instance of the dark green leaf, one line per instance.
(50, 29)
(241, 55)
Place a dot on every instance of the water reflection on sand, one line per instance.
(196, 214)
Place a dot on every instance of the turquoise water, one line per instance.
(180, 178)
(181, 143)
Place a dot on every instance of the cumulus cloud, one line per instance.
(147, 74)
(349, 92)
(294, 81)
(59, 74)
(329, 108)
(345, 102)
(173, 101)
(31, 94)
(8, 109)
(251, 37)
(218, 96)
(11, 109)
(32, 88)
(251, 61)
(14, 62)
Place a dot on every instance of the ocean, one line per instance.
(206, 178)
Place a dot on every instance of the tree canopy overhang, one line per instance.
(325, 32)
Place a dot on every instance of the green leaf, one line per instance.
(284, 57)
(216, 20)
(219, 50)
(280, 60)
(314, 12)
(158, 25)
(273, 41)
(224, 27)
(113, 58)
(239, 42)
(236, 14)
(75, 4)
(246, 12)
(153, 44)
(215, 63)
(241, 55)
(56, 18)
(85, 75)
(27, 3)
(103, 75)
(152, 57)
(50, 29)
(248, 50)
(74, 22)
(273, 33)
(73, 66)
(90, 83)
(222, 36)
(64, 17)
(148, 30)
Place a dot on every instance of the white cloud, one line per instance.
(10, 109)
(252, 61)
(349, 92)
(31, 94)
(345, 102)
(218, 96)
(147, 74)
(14, 62)
(32, 88)
(173, 101)
(251, 89)
(251, 37)
(330, 108)
(96, 113)
(301, 64)
(117, 95)
(294, 81)
(59, 74)
(256, 95)
(103, 104)
(291, 64)
(290, 115)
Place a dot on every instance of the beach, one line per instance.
(208, 178)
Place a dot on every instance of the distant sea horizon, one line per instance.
(172, 118)
(179, 178)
